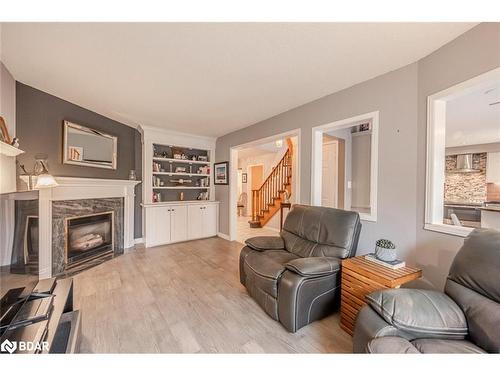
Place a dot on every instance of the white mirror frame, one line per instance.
(436, 144)
(317, 159)
(68, 124)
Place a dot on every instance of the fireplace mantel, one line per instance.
(71, 188)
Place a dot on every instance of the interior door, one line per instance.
(195, 221)
(178, 223)
(329, 188)
(210, 220)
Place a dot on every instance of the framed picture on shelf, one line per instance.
(244, 178)
(221, 173)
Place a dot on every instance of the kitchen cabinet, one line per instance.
(493, 167)
(170, 223)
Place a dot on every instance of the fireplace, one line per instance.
(89, 238)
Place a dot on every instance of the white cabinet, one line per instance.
(493, 167)
(178, 220)
(202, 220)
(157, 220)
(166, 224)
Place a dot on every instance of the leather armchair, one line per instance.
(463, 319)
(295, 277)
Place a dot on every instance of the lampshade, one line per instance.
(45, 180)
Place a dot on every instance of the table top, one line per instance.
(380, 274)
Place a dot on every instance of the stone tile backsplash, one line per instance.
(465, 187)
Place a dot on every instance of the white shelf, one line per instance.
(180, 187)
(181, 174)
(187, 161)
(8, 150)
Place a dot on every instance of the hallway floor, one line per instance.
(244, 231)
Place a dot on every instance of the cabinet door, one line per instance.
(178, 223)
(157, 226)
(209, 220)
(493, 167)
(195, 221)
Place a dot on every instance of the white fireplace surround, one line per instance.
(71, 188)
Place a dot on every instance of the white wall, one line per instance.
(7, 165)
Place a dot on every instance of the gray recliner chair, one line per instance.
(295, 277)
(463, 319)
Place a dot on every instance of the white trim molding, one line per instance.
(81, 188)
(223, 236)
(317, 158)
(436, 151)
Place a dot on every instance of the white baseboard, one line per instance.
(223, 236)
(138, 240)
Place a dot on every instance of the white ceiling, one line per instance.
(209, 78)
(471, 120)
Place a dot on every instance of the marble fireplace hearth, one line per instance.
(64, 209)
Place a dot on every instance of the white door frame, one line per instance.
(317, 158)
(233, 170)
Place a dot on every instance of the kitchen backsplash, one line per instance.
(465, 187)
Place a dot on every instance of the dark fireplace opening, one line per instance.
(88, 237)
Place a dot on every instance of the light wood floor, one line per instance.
(186, 298)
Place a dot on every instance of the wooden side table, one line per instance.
(361, 277)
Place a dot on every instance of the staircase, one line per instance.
(266, 200)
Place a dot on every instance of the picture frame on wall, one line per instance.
(244, 177)
(221, 173)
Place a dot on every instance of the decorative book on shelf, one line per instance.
(395, 264)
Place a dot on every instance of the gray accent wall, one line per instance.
(401, 97)
(39, 127)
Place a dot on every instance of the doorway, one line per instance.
(255, 161)
(345, 165)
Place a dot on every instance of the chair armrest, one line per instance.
(263, 243)
(422, 313)
(391, 345)
(314, 266)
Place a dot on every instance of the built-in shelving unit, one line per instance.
(171, 219)
(180, 173)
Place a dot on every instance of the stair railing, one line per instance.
(273, 186)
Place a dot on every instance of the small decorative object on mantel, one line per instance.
(181, 196)
(15, 142)
(132, 175)
(221, 171)
(4, 133)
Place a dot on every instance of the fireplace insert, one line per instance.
(88, 237)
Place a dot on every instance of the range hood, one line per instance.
(464, 164)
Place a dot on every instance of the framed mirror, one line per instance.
(88, 147)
